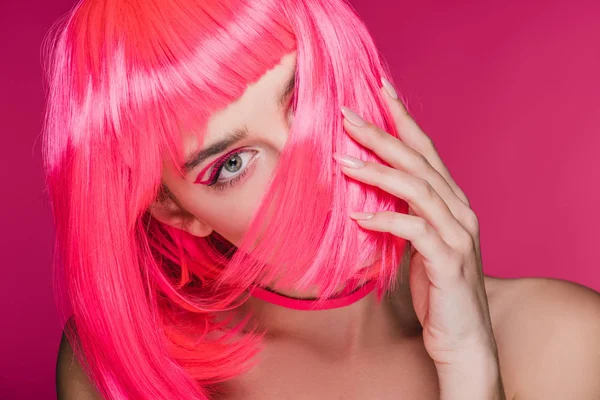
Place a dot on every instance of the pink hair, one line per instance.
(125, 79)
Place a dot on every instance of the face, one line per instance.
(229, 173)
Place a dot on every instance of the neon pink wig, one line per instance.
(126, 78)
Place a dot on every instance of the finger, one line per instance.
(400, 156)
(418, 193)
(413, 136)
(441, 260)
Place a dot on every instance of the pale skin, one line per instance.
(449, 332)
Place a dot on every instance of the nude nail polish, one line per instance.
(389, 88)
(353, 117)
(349, 161)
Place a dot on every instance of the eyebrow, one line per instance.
(218, 147)
(237, 134)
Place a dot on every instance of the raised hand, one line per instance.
(446, 277)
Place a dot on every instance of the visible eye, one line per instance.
(233, 165)
(227, 168)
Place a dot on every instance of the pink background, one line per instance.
(507, 90)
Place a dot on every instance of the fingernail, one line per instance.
(389, 88)
(353, 117)
(361, 215)
(349, 161)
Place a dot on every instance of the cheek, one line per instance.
(230, 212)
(231, 219)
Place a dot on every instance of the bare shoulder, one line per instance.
(71, 380)
(548, 336)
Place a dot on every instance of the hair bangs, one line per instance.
(201, 58)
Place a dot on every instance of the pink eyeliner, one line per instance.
(220, 161)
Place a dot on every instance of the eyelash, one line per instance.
(218, 166)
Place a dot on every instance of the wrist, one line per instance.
(474, 379)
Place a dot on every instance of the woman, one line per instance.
(225, 232)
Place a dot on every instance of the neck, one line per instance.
(344, 329)
(341, 331)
